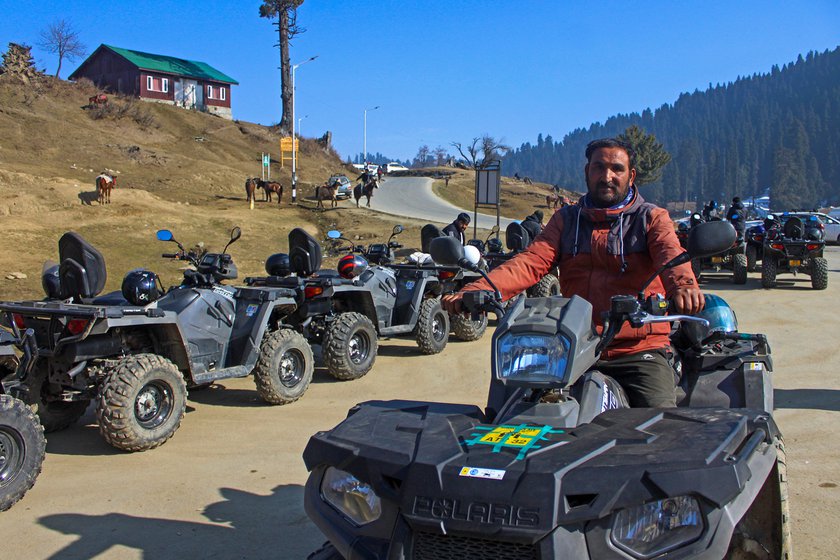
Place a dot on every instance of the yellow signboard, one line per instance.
(286, 147)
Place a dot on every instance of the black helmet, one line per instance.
(464, 217)
(278, 265)
(351, 266)
(50, 280)
(494, 245)
(141, 287)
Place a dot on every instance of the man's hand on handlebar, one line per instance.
(689, 300)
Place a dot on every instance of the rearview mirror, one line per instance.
(494, 229)
(398, 229)
(334, 234)
(446, 250)
(235, 234)
(164, 235)
(710, 238)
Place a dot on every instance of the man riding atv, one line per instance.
(608, 244)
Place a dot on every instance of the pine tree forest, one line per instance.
(777, 131)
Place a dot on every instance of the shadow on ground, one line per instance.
(814, 399)
(242, 525)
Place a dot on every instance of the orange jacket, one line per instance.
(601, 253)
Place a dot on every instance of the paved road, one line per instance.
(412, 197)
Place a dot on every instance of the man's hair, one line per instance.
(611, 143)
(464, 217)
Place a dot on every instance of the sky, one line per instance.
(444, 71)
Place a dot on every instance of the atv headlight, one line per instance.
(649, 530)
(532, 357)
(350, 496)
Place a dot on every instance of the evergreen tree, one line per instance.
(651, 156)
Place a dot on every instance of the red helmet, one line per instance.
(351, 266)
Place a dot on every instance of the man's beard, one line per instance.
(615, 196)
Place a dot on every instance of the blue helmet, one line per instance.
(141, 287)
(720, 316)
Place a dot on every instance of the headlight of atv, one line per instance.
(656, 527)
(350, 496)
(532, 357)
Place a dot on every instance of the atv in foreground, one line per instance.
(556, 466)
(135, 352)
(22, 443)
(794, 247)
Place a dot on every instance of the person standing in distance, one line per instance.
(609, 244)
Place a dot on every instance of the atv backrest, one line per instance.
(304, 253)
(794, 228)
(427, 233)
(516, 237)
(81, 270)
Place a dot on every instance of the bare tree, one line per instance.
(287, 28)
(487, 147)
(440, 155)
(422, 156)
(62, 39)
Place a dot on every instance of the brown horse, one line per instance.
(103, 188)
(270, 187)
(359, 191)
(98, 99)
(326, 192)
(250, 191)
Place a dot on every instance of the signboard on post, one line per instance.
(487, 190)
(286, 147)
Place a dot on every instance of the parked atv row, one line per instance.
(792, 246)
(556, 465)
(734, 258)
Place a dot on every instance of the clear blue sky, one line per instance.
(449, 70)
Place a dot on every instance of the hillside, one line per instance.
(51, 150)
(777, 129)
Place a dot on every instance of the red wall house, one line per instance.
(159, 78)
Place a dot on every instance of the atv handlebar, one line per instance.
(170, 255)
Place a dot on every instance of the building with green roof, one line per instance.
(163, 79)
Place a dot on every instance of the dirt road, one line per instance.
(229, 484)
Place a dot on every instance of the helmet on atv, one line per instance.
(141, 287)
(278, 264)
(721, 319)
(494, 245)
(351, 266)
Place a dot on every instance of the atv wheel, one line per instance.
(464, 328)
(326, 552)
(22, 447)
(697, 268)
(769, 268)
(284, 369)
(819, 273)
(350, 346)
(752, 258)
(764, 531)
(739, 268)
(432, 327)
(54, 414)
(549, 285)
(141, 402)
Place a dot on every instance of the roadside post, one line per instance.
(487, 190)
(288, 151)
(266, 167)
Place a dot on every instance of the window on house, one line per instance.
(222, 94)
(210, 92)
(165, 83)
(149, 83)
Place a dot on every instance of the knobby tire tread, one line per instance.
(335, 346)
(269, 387)
(17, 415)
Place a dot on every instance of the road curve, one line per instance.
(412, 197)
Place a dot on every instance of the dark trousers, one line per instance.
(646, 377)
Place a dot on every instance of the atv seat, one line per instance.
(111, 298)
(304, 253)
(427, 233)
(794, 228)
(81, 271)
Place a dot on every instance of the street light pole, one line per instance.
(294, 140)
(364, 143)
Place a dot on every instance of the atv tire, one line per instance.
(22, 447)
(739, 268)
(464, 328)
(697, 268)
(141, 402)
(326, 552)
(284, 368)
(819, 273)
(548, 286)
(350, 346)
(432, 327)
(752, 258)
(769, 268)
(763, 533)
(54, 415)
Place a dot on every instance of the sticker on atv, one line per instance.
(523, 437)
(409, 284)
(251, 310)
(224, 292)
(473, 472)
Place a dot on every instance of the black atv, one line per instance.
(136, 351)
(22, 443)
(755, 247)
(556, 465)
(517, 240)
(734, 258)
(792, 247)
